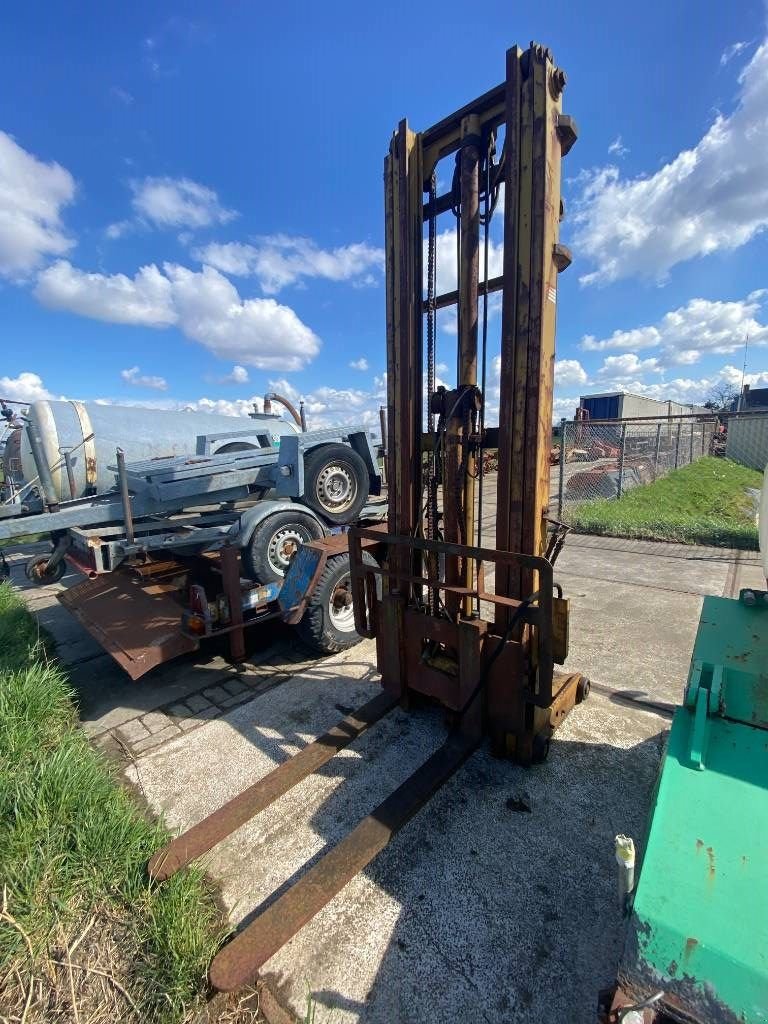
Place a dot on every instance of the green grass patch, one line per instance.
(28, 538)
(73, 850)
(703, 503)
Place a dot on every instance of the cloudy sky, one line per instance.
(191, 194)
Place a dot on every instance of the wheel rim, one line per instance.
(336, 487)
(341, 610)
(37, 571)
(283, 546)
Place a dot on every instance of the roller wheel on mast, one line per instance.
(336, 483)
(274, 543)
(328, 625)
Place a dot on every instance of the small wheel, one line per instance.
(274, 543)
(38, 573)
(582, 689)
(328, 624)
(336, 482)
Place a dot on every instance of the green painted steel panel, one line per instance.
(735, 636)
(699, 927)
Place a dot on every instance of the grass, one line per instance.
(73, 852)
(703, 503)
(28, 538)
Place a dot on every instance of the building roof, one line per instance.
(753, 398)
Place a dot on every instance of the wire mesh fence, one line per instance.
(604, 459)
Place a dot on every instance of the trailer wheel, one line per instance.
(37, 571)
(336, 482)
(274, 543)
(328, 624)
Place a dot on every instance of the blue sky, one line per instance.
(191, 194)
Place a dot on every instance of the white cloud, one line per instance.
(569, 371)
(733, 375)
(327, 406)
(239, 375)
(137, 379)
(255, 332)
(178, 202)
(626, 367)
(359, 364)
(447, 281)
(446, 261)
(281, 260)
(564, 407)
(639, 337)
(730, 52)
(118, 229)
(204, 305)
(699, 327)
(32, 196)
(711, 198)
(617, 147)
(27, 387)
(144, 299)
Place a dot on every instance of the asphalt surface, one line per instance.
(479, 909)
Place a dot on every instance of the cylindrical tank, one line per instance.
(141, 433)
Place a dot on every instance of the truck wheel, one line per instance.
(336, 482)
(328, 624)
(274, 543)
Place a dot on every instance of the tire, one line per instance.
(37, 572)
(336, 483)
(274, 542)
(321, 629)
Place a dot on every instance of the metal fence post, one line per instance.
(623, 443)
(561, 471)
(691, 458)
(703, 437)
(677, 446)
(656, 452)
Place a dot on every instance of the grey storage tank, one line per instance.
(141, 433)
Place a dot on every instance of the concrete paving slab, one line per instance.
(632, 639)
(473, 904)
(675, 567)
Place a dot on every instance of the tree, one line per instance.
(721, 397)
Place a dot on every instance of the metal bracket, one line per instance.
(703, 696)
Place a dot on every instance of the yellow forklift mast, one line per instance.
(486, 653)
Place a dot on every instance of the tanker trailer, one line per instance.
(90, 433)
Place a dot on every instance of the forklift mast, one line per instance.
(434, 636)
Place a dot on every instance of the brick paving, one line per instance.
(147, 731)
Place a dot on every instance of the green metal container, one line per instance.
(699, 923)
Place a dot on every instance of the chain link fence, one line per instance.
(606, 458)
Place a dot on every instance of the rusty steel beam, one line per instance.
(495, 284)
(459, 493)
(445, 136)
(229, 562)
(535, 139)
(202, 837)
(468, 293)
(239, 961)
